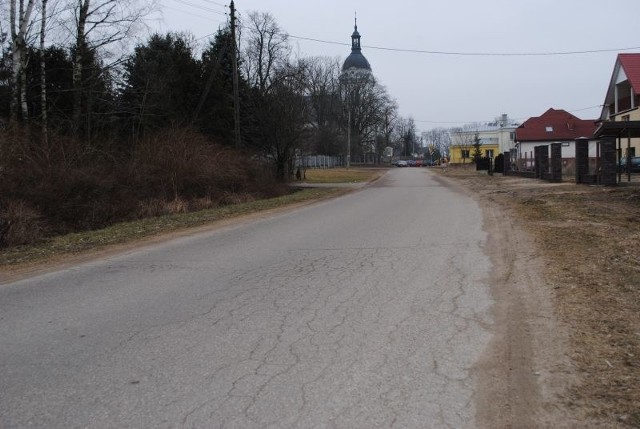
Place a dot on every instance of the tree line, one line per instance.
(83, 91)
(92, 132)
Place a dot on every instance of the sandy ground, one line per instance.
(567, 325)
(525, 367)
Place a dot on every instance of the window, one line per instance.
(512, 136)
(549, 129)
(489, 153)
(465, 153)
(625, 118)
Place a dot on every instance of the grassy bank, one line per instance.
(342, 175)
(127, 232)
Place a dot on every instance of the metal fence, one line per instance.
(319, 161)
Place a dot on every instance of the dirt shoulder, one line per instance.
(567, 315)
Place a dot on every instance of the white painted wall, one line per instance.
(568, 151)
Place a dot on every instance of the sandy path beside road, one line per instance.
(525, 376)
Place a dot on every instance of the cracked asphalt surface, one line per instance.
(366, 311)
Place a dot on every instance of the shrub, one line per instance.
(20, 224)
(72, 186)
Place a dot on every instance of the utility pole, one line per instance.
(43, 80)
(349, 136)
(236, 94)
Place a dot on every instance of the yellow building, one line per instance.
(495, 138)
(463, 153)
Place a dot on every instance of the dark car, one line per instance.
(633, 168)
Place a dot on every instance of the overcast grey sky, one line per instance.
(449, 89)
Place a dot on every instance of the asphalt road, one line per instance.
(366, 311)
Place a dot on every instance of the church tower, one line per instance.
(356, 61)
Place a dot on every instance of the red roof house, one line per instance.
(623, 97)
(621, 108)
(553, 126)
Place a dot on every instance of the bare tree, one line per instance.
(410, 136)
(96, 25)
(365, 102)
(438, 140)
(283, 116)
(388, 122)
(323, 82)
(405, 136)
(267, 50)
(19, 29)
(463, 138)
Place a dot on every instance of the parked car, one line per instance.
(401, 163)
(635, 164)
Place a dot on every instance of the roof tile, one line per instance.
(631, 65)
(555, 125)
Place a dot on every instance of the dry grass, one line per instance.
(342, 175)
(161, 216)
(130, 231)
(589, 237)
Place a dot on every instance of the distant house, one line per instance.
(553, 126)
(622, 102)
(495, 138)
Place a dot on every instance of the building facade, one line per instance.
(622, 102)
(553, 126)
(494, 137)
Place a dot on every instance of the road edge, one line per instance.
(525, 368)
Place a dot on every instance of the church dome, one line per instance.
(356, 60)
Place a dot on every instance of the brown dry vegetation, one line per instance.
(342, 175)
(76, 186)
(588, 236)
(163, 221)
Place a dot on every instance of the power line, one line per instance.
(197, 6)
(420, 51)
(519, 119)
(206, 35)
(600, 106)
(187, 12)
(216, 3)
(201, 16)
(474, 54)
